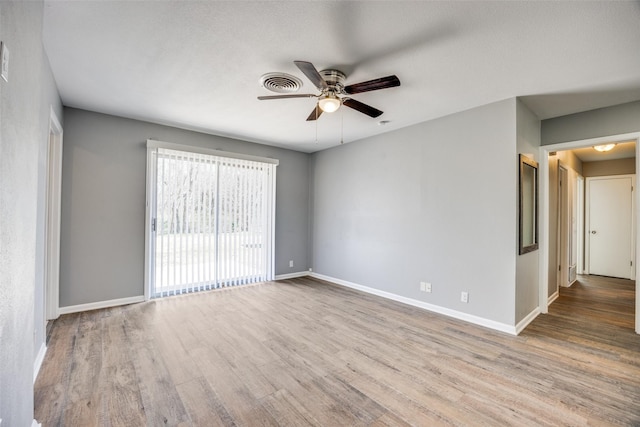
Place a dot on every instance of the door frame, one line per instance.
(587, 223)
(563, 241)
(53, 192)
(580, 235)
(544, 150)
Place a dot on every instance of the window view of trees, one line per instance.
(210, 221)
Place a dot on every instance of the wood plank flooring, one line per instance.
(599, 299)
(304, 352)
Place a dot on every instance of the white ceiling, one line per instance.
(622, 150)
(196, 65)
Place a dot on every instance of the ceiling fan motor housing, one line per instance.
(335, 80)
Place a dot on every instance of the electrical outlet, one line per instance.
(464, 296)
(425, 287)
(290, 263)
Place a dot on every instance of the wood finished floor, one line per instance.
(303, 352)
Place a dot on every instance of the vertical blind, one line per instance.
(213, 222)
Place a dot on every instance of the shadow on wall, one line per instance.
(552, 105)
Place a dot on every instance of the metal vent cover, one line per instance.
(280, 82)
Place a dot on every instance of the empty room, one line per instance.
(323, 213)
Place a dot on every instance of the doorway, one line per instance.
(565, 215)
(563, 238)
(53, 185)
(545, 225)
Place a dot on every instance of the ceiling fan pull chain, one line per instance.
(317, 107)
(342, 127)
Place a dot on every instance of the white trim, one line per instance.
(543, 278)
(38, 362)
(271, 256)
(491, 324)
(100, 304)
(581, 185)
(634, 225)
(637, 222)
(528, 319)
(543, 231)
(564, 220)
(150, 213)
(291, 275)
(151, 143)
(35, 423)
(552, 298)
(53, 191)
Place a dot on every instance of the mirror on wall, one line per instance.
(528, 205)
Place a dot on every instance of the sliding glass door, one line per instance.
(210, 219)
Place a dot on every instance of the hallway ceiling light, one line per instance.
(603, 148)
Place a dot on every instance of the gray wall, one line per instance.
(609, 167)
(103, 203)
(527, 271)
(51, 100)
(24, 113)
(616, 120)
(432, 202)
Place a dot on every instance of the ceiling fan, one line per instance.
(333, 92)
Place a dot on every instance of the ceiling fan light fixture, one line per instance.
(603, 148)
(329, 103)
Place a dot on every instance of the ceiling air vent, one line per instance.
(280, 82)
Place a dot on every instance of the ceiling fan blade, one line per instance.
(312, 74)
(376, 84)
(363, 108)
(315, 113)
(301, 95)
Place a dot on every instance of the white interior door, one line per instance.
(609, 211)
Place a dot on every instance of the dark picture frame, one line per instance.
(528, 210)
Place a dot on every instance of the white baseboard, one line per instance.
(38, 362)
(476, 320)
(528, 319)
(100, 304)
(291, 275)
(552, 298)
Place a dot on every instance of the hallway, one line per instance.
(598, 299)
(596, 313)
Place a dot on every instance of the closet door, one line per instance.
(609, 226)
